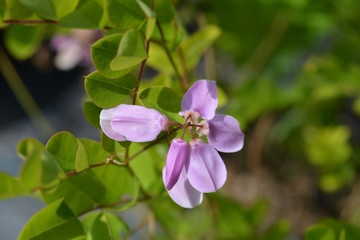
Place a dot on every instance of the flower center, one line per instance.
(191, 116)
(203, 129)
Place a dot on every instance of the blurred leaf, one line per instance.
(131, 51)
(196, 45)
(92, 113)
(104, 225)
(55, 221)
(17, 11)
(87, 16)
(330, 229)
(143, 167)
(29, 150)
(108, 93)
(117, 181)
(10, 186)
(102, 54)
(124, 14)
(81, 161)
(23, 41)
(163, 99)
(51, 9)
(63, 146)
(80, 192)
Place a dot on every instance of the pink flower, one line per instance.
(202, 170)
(133, 123)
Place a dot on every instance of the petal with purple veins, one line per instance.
(137, 123)
(205, 169)
(175, 161)
(225, 133)
(183, 193)
(106, 116)
(202, 98)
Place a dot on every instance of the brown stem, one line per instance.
(10, 21)
(184, 70)
(142, 64)
(111, 161)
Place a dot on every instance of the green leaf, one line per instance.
(10, 186)
(103, 52)
(163, 99)
(17, 11)
(105, 226)
(92, 113)
(23, 41)
(51, 171)
(131, 51)
(55, 221)
(51, 9)
(108, 93)
(124, 14)
(80, 192)
(95, 153)
(151, 18)
(63, 146)
(81, 161)
(118, 181)
(29, 150)
(107, 143)
(144, 168)
(88, 16)
(195, 46)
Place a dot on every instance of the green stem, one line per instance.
(23, 96)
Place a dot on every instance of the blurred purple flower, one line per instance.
(132, 122)
(73, 49)
(198, 168)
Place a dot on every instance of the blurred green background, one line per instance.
(290, 71)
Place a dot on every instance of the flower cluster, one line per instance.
(192, 168)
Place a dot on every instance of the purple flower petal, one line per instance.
(137, 123)
(106, 116)
(175, 162)
(225, 133)
(205, 169)
(183, 193)
(202, 98)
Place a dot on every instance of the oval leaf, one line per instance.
(108, 93)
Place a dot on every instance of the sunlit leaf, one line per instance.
(10, 186)
(81, 161)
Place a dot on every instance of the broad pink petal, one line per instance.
(202, 98)
(225, 133)
(175, 161)
(183, 193)
(205, 169)
(137, 123)
(106, 116)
